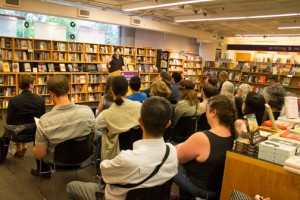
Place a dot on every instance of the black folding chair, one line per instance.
(127, 138)
(185, 127)
(71, 155)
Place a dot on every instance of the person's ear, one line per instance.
(140, 121)
(168, 124)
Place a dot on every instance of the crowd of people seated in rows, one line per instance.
(160, 107)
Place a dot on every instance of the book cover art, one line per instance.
(75, 67)
(51, 67)
(41, 68)
(291, 135)
(62, 67)
(252, 128)
(6, 67)
(27, 67)
(286, 81)
(15, 67)
(70, 68)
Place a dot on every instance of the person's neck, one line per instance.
(148, 136)
(135, 92)
(61, 101)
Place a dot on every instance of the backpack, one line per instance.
(4, 143)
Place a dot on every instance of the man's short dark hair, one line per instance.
(209, 90)
(135, 83)
(25, 80)
(274, 78)
(59, 85)
(212, 80)
(156, 113)
(176, 76)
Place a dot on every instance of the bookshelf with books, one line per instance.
(42, 50)
(147, 78)
(164, 60)
(151, 58)
(23, 50)
(130, 58)
(193, 69)
(290, 83)
(75, 52)
(175, 62)
(141, 60)
(91, 53)
(6, 49)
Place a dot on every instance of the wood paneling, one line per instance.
(252, 176)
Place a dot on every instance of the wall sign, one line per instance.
(247, 47)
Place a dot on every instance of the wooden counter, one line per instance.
(252, 176)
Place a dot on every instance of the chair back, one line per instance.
(161, 192)
(203, 123)
(185, 127)
(214, 183)
(74, 151)
(126, 139)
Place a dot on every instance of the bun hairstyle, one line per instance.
(226, 111)
(119, 88)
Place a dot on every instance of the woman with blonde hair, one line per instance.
(240, 97)
(188, 104)
(160, 88)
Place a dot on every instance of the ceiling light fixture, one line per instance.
(150, 4)
(289, 26)
(231, 16)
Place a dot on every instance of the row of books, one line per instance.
(7, 80)
(5, 43)
(78, 78)
(5, 54)
(42, 45)
(79, 88)
(192, 65)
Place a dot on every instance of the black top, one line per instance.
(116, 64)
(238, 104)
(24, 107)
(198, 172)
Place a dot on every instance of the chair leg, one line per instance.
(11, 156)
(53, 183)
(40, 192)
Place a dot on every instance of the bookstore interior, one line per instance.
(271, 150)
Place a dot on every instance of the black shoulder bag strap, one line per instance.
(150, 176)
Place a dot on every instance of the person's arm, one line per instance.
(10, 112)
(108, 64)
(100, 121)
(41, 142)
(190, 149)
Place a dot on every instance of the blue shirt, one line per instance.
(141, 97)
(175, 91)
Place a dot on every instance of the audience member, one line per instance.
(254, 103)
(188, 105)
(203, 151)
(166, 78)
(21, 111)
(273, 80)
(240, 96)
(135, 86)
(223, 76)
(228, 90)
(159, 88)
(133, 166)
(120, 117)
(65, 121)
(274, 96)
(212, 80)
(176, 78)
(107, 99)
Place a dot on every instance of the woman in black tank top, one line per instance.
(204, 151)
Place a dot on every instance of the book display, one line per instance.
(147, 79)
(193, 69)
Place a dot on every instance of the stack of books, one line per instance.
(243, 146)
(275, 152)
(293, 164)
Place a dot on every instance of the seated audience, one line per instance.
(211, 80)
(135, 86)
(228, 90)
(273, 80)
(274, 96)
(203, 151)
(240, 96)
(166, 78)
(176, 78)
(223, 76)
(21, 111)
(188, 105)
(159, 88)
(120, 117)
(65, 121)
(133, 166)
(208, 91)
(107, 99)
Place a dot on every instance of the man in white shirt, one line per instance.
(133, 166)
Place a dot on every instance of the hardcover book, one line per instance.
(6, 67)
(15, 67)
(51, 67)
(27, 67)
(286, 81)
(62, 67)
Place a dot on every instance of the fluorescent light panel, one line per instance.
(289, 26)
(266, 35)
(152, 4)
(202, 18)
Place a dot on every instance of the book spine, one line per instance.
(291, 169)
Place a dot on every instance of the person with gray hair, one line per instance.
(240, 97)
(274, 96)
(223, 76)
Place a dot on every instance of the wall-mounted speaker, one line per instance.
(72, 36)
(26, 24)
(72, 24)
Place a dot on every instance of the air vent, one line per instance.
(135, 21)
(83, 13)
(12, 3)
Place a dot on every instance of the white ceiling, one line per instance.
(226, 28)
